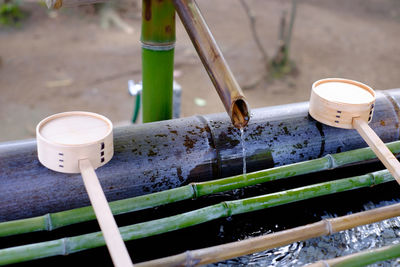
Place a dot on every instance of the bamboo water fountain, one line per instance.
(196, 149)
(137, 231)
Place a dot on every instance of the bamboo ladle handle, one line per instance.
(108, 226)
(380, 149)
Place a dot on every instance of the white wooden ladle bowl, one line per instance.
(80, 142)
(350, 104)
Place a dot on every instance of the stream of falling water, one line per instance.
(243, 151)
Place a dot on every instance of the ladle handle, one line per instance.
(108, 226)
(380, 149)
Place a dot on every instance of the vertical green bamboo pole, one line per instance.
(158, 42)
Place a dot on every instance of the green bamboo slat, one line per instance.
(362, 258)
(64, 218)
(224, 209)
(56, 220)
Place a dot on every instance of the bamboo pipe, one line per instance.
(217, 68)
(57, 220)
(270, 241)
(186, 150)
(70, 245)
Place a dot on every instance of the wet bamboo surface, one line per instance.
(162, 155)
(256, 244)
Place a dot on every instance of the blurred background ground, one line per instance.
(64, 60)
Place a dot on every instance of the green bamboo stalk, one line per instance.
(157, 84)
(362, 258)
(158, 40)
(60, 219)
(224, 209)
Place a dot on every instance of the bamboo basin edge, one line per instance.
(276, 136)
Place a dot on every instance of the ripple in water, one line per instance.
(347, 242)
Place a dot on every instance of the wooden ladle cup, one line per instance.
(79, 142)
(350, 104)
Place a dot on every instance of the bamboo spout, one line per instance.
(240, 113)
(217, 68)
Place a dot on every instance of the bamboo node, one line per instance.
(190, 260)
(48, 222)
(154, 47)
(373, 179)
(195, 193)
(227, 208)
(328, 225)
(331, 161)
(64, 242)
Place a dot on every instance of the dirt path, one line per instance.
(66, 62)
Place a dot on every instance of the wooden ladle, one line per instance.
(80, 142)
(350, 104)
